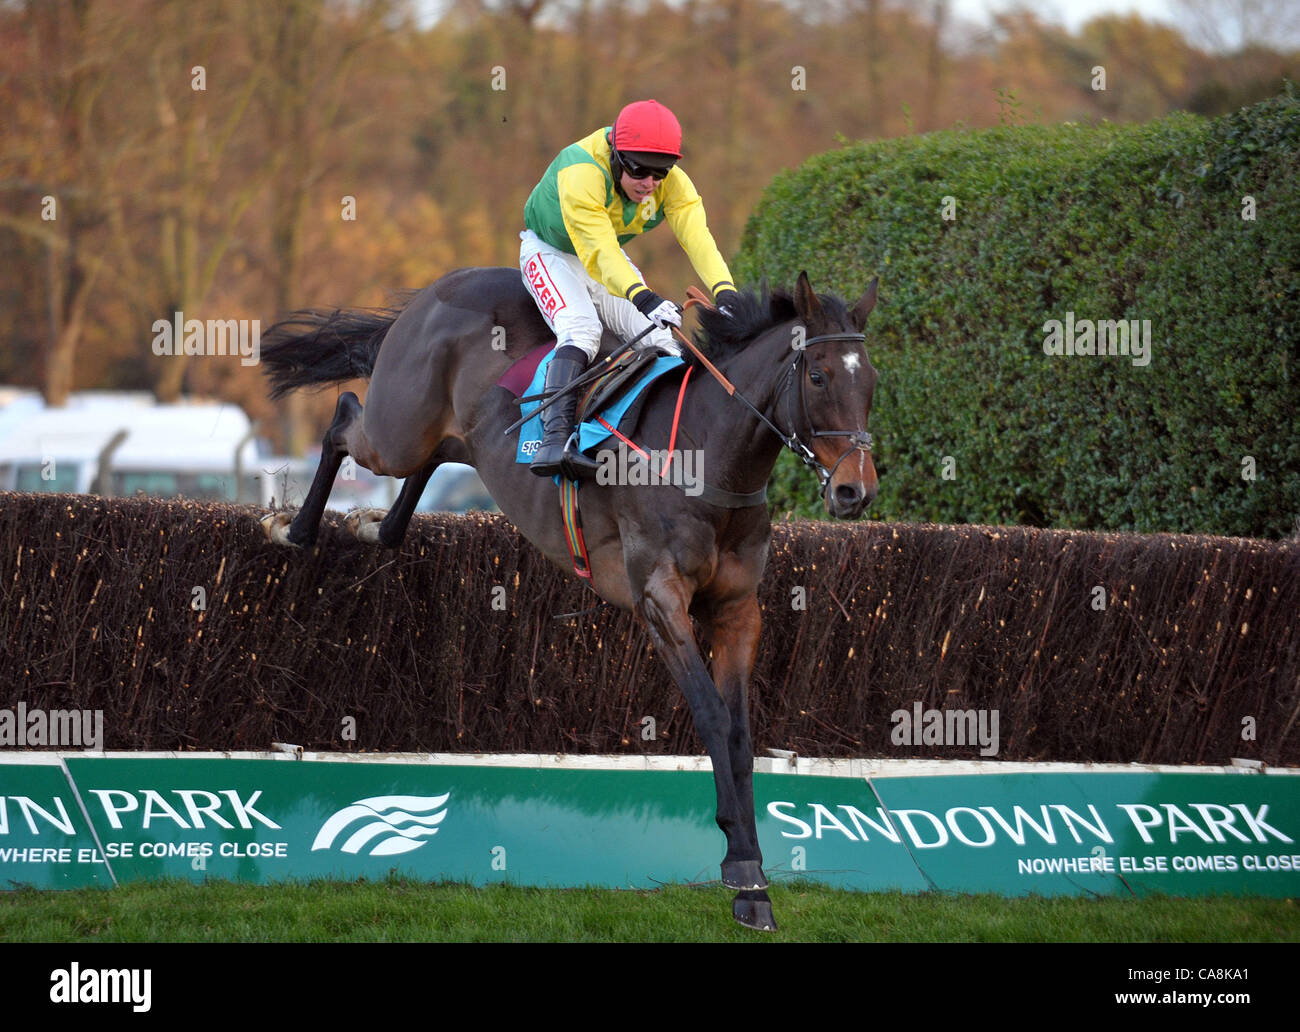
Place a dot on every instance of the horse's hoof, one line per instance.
(276, 525)
(754, 910)
(743, 874)
(364, 524)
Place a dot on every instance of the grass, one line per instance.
(404, 911)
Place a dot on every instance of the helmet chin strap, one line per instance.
(615, 162)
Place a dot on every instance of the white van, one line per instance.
(191, 449)
(122, 443)
(452, 488)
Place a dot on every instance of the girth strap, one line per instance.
(731, 499)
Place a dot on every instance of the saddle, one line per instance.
(616, 392)
(612, 399)
(612, 385)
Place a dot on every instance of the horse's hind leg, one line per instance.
(393, 528)
(390, 529)
(734, 635)
(302, 531)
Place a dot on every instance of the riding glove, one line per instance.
(725, 301)
(660, 312)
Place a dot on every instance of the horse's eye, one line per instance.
(817, 379)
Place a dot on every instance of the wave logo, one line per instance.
(384, 825)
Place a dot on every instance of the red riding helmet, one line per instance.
(646, 126)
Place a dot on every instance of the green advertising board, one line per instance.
(1048, 834)
(265, 820)
(88, 819)
(45, 841)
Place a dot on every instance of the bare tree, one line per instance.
(934, 61)
(1230, 26)
(60, 188)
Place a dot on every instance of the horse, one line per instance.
(790, 369)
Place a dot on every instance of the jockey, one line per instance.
(596, 195)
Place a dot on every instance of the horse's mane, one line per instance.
(754, 313)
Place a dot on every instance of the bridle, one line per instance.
(859, 440)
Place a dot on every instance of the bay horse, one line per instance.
(801, 378)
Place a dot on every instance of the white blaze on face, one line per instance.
(851, 363)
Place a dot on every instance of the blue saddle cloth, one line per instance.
(591, 435)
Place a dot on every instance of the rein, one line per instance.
(860, 440)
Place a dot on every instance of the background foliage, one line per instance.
(221, 194)
(1137, 222)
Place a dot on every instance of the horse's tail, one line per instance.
(320, 346)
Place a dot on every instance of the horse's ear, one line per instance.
(865, 304)
(806, 304)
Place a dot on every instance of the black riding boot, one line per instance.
(558, 421)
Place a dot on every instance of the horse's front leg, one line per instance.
(734, 631)
(664, 605)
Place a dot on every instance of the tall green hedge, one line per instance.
(973, 421)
